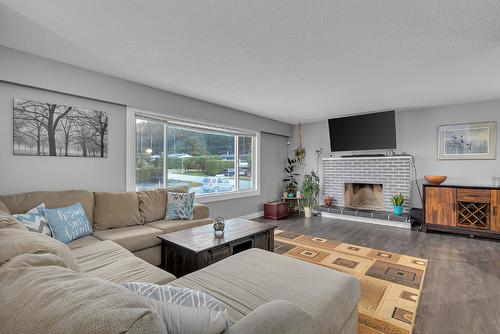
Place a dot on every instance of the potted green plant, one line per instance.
(310, 191)
(397, 204)
(289, 180)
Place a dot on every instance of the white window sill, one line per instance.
(225, 196)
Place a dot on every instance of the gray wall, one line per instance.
(27, 76)
(26, 69)
(417, 135)
(24, 173)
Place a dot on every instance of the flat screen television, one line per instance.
(375, 131)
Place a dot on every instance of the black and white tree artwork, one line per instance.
(49, 129)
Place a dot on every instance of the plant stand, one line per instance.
(295, 200)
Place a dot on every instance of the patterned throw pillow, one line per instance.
(35, 220)
(184, 310)
(68, 223)
(179, 206)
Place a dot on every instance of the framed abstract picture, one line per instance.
(51, 129)
(470, 141)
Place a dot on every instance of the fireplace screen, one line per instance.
(364, 196)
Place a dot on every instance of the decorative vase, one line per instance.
(328, 201)
(290, 195)
(298, 194)
(285, 194)
(398, 210)
(308, 212)
(219, 226)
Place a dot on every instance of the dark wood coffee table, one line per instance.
(185, 251)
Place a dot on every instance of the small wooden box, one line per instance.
(276, 210)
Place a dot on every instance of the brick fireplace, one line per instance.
(369, 182)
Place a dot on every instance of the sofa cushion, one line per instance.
(276, 316)
(116, 209)
(132, 269)
(40, 296)
(14, 242)
(150, 255)
(9, 221)
(100, 254)
(252, 278)
(108, 260)
(200, 211)
(21, 203)
(152, 204)
(4, 208)
(133, 237)
(178, 189)
(82, 242)
(168, 226)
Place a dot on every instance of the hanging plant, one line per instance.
(300, 152)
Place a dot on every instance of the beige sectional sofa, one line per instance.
(46, 286)
(134, 220)
(125, 245)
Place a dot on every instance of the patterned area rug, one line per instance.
(391, 283)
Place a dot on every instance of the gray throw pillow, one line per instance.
(183, 310)
(179, 206)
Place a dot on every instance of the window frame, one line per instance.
(133, 114)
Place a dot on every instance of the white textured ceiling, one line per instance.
(288, 60)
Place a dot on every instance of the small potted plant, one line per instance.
(310, 191)
(397, 204)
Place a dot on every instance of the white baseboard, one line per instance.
(367, 220)
(252, 215)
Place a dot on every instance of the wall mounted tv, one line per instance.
(375, 131)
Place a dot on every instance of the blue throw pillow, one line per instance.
(68, 223)
(179, 206)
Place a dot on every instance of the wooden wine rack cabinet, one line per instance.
(462, 209)
(473, 215)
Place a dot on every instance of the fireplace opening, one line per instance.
(364, 196)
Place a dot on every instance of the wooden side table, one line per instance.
(276, 210)
(291, 200)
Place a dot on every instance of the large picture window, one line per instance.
(208, 160)
(149, 154)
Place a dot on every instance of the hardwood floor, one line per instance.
(462, 286)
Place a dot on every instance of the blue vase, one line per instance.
(398, 210)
